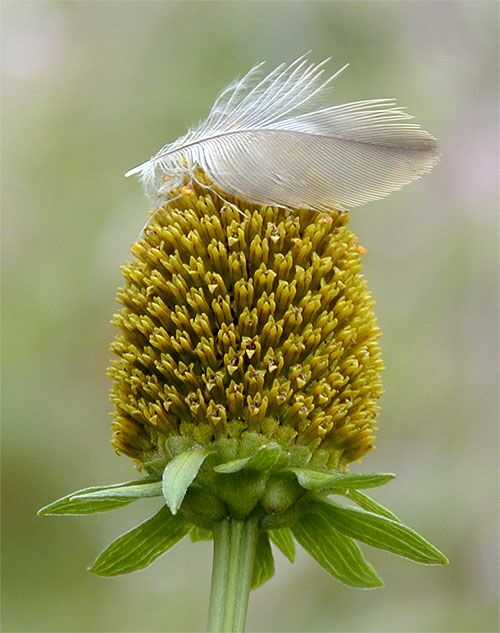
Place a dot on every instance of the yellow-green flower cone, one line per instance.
(241, 321)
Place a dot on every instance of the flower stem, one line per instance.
(235, 543)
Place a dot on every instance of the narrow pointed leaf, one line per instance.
(152, 489)
(367, 503)
(178, 476)
(264, 459)
(263, 567)
(139, 547)
(313, 480)
(73, 504)
(198, 534)
(381, 532)
(334, 551)
(283, 539)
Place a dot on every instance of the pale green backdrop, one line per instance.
(92, 88)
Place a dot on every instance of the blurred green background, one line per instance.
(91, 89)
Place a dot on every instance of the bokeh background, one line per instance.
(91, 89)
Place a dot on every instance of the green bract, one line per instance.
(199, 492)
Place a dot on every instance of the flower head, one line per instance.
(241, 320)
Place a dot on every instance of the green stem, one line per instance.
(235, 543)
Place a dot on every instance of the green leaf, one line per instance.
(263, 567)
(199, 534)
(147, 489)
(139, 547)
(381, 532)
(314, 480)
(74, 504)
(178, 476)
(367, 503)
(264, 459)
(283, 539)
(337, 553)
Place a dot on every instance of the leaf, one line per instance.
(73, 504)
(199, 534)
(263, 567)
(178, 476)
(381, 532)
(338, 554)
(283, 539)
(264, 459)
(150, 489)
(139, 547)
(367, 503)
(314, 480)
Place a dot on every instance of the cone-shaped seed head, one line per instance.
(254, 321)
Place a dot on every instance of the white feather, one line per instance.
(264, 141)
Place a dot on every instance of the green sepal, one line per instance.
(314, 480)
(144, 490)
(240, 491)
(75, 505)
(283, 539)
(264, 459)
(179, 475)
(381, 532)
(367, 503)
(142, 545)
(335, 552)
(263, 567)
(197, 534)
